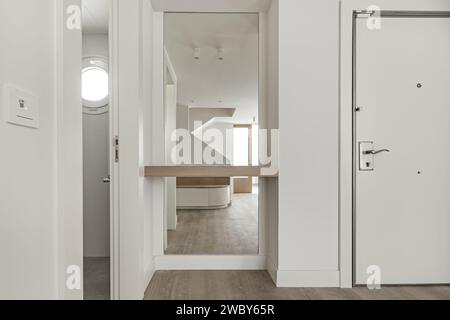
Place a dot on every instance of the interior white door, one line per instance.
(402, 198)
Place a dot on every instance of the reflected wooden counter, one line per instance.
(200, 171)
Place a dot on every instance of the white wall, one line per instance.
(96, 214)
(309, 143)
(35, 244)
(28, 163)
(95, 45)
(170, 128)
(272, 123)
(70, 149)
(133, 61)
(146, 154)
(182, 117)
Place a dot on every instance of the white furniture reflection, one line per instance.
(203, 197)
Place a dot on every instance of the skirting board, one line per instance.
(208, 262)
(272, 270)
(307, 279)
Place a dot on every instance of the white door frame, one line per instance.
(113, 165)
(128, 106)
(346, 211)
(69, 143)
(204, 262)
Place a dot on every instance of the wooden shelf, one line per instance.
(200, 171)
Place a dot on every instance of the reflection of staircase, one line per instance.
(206, 116)
(196, 139)
(203, 119)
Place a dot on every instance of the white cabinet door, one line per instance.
(402, 204)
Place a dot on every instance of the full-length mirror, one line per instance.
(211, 93)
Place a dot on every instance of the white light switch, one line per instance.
(21, 107)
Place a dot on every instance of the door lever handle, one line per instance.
(375, 152)
(107, 179)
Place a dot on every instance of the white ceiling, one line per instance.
(95, 16)
(211, 5)
(209, 82)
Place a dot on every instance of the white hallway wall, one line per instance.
(309, 143)
(309, 111)
(272, 123)
(96, 215)
(28, 162)
(36, 242)
(145, 140)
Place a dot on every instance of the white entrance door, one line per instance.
(402, 197)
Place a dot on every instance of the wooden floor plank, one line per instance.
(230, 231)
(257, 285)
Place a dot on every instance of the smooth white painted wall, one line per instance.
(170, 128)
(309, 140)
(38, 54)
(28, 157)
(146, 154)
(96, 213)
(157, 132)
(95, 45)
(70, 149)
(272, 123)
(182, 117)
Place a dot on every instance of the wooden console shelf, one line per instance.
(200, 171)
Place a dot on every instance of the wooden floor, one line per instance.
(257, 285)
(233, 230)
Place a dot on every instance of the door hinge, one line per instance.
(116, 149)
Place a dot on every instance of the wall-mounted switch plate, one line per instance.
(21, 107)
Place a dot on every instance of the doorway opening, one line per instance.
(96, 150)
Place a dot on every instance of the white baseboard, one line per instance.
(208, 262)
(307, 279)
(272, 270)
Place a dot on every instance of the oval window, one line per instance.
(95, 85)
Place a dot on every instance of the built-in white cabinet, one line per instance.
(203, 197)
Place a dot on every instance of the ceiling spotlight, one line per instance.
(220, 55)
(197, 53)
